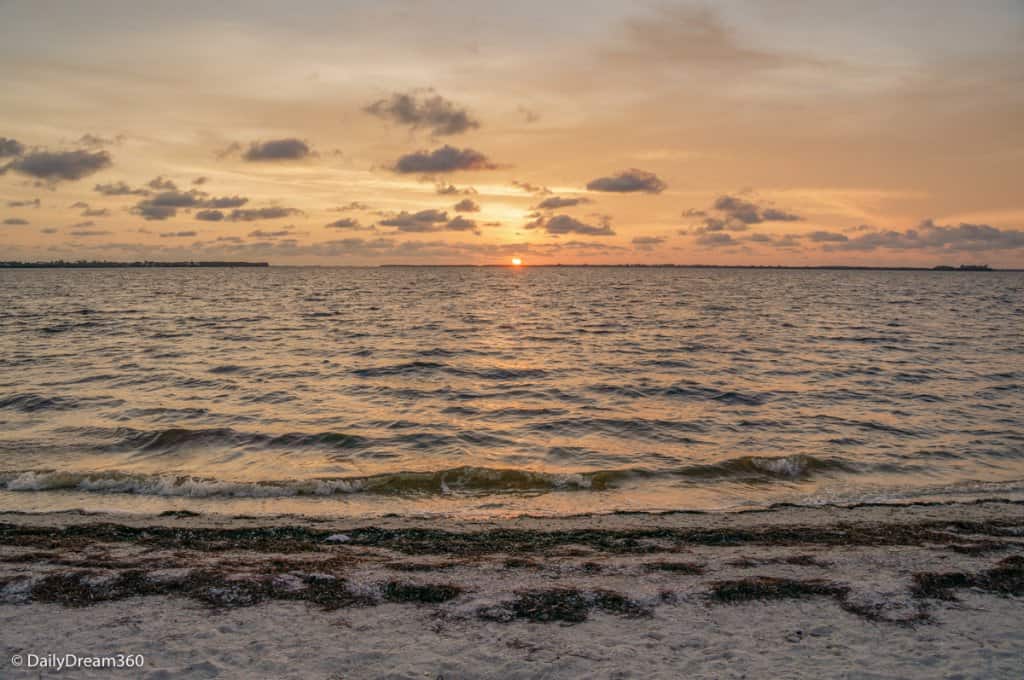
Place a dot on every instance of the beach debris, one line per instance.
(338, 538)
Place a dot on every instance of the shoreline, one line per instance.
(880, 574)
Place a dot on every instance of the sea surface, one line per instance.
(485, 392)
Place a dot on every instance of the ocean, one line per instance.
(495, 392)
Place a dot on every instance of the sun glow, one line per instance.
(517, 262)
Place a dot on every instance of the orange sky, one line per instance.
(366, 133)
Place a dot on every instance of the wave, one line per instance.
(466, 480)
(177, 438)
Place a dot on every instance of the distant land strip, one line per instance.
(98, 264)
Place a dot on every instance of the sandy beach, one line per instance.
(929, 590)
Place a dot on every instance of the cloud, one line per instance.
(426, 221)
(225, 202)
(352, 206)
(280, 233)
(119, 189)
(716, 239)
(48, 230)
(253, 214)
(95, 212)
(424, 110)
(529, 115)
(556, 202)
(288, 149)
(647, 242)
(629, 181)
(96, 141)
(741, 210)
(460, 223)
(198, 181)
(826, 237)
(695, 39)
(10, 147)
(445, 189)
(165, 204)
(933, 237)
(445, 159)
(177, 234)
(15, 221)
(56, 166)
(348, 223)
(531, 188)
(782, 241)
(564, 224)
(87, 232)
(467, 205)
(33, 203)
(162, 184)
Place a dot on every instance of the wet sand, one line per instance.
(866, 591)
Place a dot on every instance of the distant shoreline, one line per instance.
(229, 264)
(124, 265)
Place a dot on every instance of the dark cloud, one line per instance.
(10, 147)
(781, 241)
(467, 205)
(933, 237)
(556, 202)
(253, 214)
(424, 110)
(87, 232)
(15, 221)
(531, 188)
(694, 213)
(445, 189)
(95, 212)
(289, 149)
(348, 223)
(119, 189)
(97, 142)
(445, 159)
(178, 234)
(460, 223)
(716, 239)
(33, 203)
(161, 183)
(280, 233)
(647, 242)
(429, 221)
(225, 202)
(166, 204)
(747, 212)
(629, 181)
(48, 230)
(826, 237)
(564, 224)
(422, 221)
(353, 206)
(56, 166)
(198, 181)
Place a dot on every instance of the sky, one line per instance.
(469, 131)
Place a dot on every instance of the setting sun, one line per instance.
(517, 262)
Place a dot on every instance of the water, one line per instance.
(493, 392)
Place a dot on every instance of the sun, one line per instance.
(517, 262)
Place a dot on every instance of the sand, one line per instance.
(874, 591)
